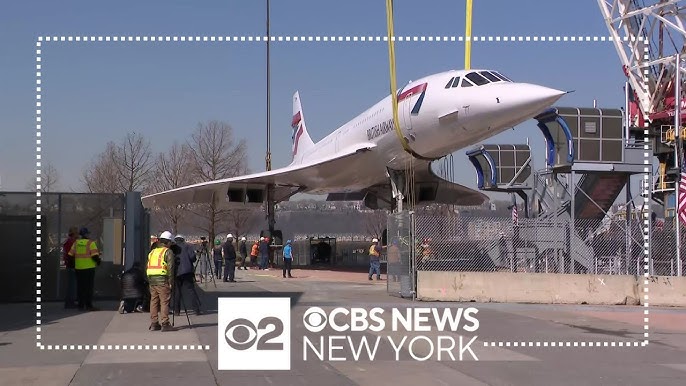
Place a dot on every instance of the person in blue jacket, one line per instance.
(287, 258)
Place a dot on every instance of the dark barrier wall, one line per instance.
(18, 275)
(102, 214)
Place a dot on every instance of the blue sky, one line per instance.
(96, 92)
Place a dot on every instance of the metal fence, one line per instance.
(663, 248)
(450, 242)
(333, 252)
(400, 269)
(102, 214)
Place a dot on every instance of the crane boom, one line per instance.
(655, 30)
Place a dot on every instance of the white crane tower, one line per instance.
(649, 37)
(659, 26)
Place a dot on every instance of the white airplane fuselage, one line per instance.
(438, 115)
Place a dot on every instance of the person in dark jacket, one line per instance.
(229, 259)
(264, 253)
(70, 294)
(185, 277)
(243, 250)
(217, 256)
(133, 285)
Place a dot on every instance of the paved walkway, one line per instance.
(93, 362)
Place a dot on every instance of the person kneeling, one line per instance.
(133, 285)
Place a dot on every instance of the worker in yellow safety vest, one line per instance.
(375, 259)
(160, 276)
(86, 257)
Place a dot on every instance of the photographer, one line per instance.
(185, 257)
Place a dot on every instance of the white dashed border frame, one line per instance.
(257, 38)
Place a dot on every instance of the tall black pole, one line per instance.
(268, 158)
(271, 216)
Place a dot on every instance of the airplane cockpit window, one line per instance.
(477, 79)
(501, 76)
(466, 83)
(490, 76)
(453, 82)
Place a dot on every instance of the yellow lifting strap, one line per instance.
(468, 37)
(394, 86)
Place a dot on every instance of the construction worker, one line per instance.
(243, 251)
(160, 276)
(70, 296)
(229, 253)
(264, 253)
(254, 252)
(86, 258)
(375, 259)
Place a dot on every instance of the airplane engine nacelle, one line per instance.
(255, 196)
(242, 196)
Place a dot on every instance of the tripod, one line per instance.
(205, 257)
(176, 291)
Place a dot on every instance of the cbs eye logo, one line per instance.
(315, 319)
(242, 334)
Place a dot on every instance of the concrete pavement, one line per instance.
(662, 362)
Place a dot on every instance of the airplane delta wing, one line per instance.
(429, 189)
(250, 190)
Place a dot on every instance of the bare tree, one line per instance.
(49, 179)
(134, 163)
(122, 167)
(101, 174)
(238, 219)
(173, 170)
(375, 222)
(215, 155)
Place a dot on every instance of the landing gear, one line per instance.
(398, 187)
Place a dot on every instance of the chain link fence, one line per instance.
(332, 251)
(663, 248)
(102, 214)
(399, 263)
(455, 243)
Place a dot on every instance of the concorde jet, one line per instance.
(364, 159)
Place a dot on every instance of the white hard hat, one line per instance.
(179, 237)
(261, 238)
(229, 236)
(375, 240)
(166, 235)
(243, 238)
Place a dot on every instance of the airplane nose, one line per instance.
(532, 98)
(514, 103)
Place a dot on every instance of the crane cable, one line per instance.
(394, 86)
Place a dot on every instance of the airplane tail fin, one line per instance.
(301, 138)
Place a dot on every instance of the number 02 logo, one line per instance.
(241, 334)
